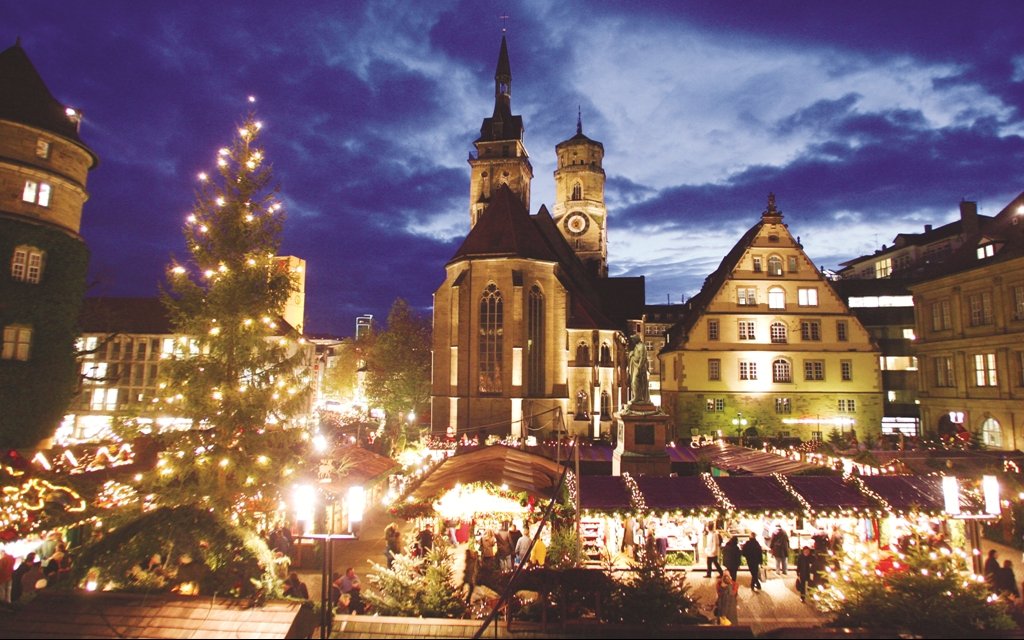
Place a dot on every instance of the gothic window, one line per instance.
(778, 333)
(535, 341)
(582, 354)
(782, 371)
(491, 339)
(606, 355)
(606, 406)
(577, 192)
(581, 404)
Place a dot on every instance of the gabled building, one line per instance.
(44, 165)
(969, 314)
(528, 329)
(768, 344)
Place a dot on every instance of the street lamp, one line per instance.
(305, 507)
(740, 423)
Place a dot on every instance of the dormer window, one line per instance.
(42, 149)
(986, 250)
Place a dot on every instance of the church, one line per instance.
(530, 333)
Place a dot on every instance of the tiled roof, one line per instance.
(122, 615)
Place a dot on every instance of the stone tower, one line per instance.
(579, 209)
(43, 170)
(501, 156)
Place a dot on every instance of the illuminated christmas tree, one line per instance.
(239, 372)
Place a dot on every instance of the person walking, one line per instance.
(712, 548)
(393, 543)
(522, 547)
(991, 570)
(470, 571)
(6, 576)
(725, 606)
(754, 555)
(504, 546)
(804, 572)
(1006, 583)
(731, 556)
(779, 545)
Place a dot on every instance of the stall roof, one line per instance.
(825, 493)
(684, 493)
(603, 452)
(520, 470)
(924, 493)
(757, 493)
(741, 460)
(604, 493)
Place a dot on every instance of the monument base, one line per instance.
(642, 437)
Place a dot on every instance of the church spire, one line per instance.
(579, 120)
(503, 82)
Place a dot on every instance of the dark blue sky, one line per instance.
(866, 120)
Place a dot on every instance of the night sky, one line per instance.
(866, 119)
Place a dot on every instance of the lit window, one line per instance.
(810, 330)
(814, 369)
(714, 369)
(746, 330)
(908, 334)
(783, 405)
(883, 268)
(748, 370)
(36, 193)
(42, 148)
(991, 433)
(746, 296)
(757, 264)
(985, 370)
(846, 370)
(782, 371)
(776, 298)
(17, 342)
(807, 297)
(847, 406)
(774, 266)
(986, 251)
(714, 405)
(778, 333)
(712, 330)
(19, 262)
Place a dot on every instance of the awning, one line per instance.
(497, 464)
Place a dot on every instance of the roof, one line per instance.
(744, 461)
(685, 492)
(364, 466)
(505, 229)
(24, 97)
(520, 470)
(826, 493)
(757, 493)
(604, 493)
(907, 493)
(148, 615)
(125, 315)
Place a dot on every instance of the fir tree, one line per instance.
(417, 587)
(651, 596)
(240, 372)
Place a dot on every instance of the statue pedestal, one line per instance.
(642, 431)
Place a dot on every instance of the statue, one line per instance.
(638, 370)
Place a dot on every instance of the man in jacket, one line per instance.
(712, 547)
(779, 545)
(754, 555)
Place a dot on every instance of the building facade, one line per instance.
(44, 167)
(767, 343)
(527, 340)
(969, 314)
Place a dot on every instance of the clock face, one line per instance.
(577, 223)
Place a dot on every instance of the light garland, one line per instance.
(720, 497)
(636, 498)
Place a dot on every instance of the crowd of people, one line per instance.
(22, 577)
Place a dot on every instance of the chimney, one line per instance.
(968, 217)
(927, 228)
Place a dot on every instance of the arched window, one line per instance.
(606, 406)
(776, 298)
(535, 341)
(582, 354)
(577, 192)
(992, 433)
(778, 333)
(774, 266)
(606, 355)
(27, 264)
(491, 339)
(582, 411)
(782, 371)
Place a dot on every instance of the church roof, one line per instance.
(25, 99)
(505, 229)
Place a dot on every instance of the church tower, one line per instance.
(579, 209)
(501, 156)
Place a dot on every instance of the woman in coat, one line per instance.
(725, 607)
(804, 571)
(731, 556)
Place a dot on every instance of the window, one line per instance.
(944, 371)
(19, 262)
(748, 370)
(810, 330)
(757, 264)
(883, 268)
(42, 149)
(846, 370)
(577, 191)
(776, 298)
(712, 330)
(35, 267)
(986, 251)
(842, 334)
(492, 328)
(746, 329)
(791, 263)
(714, 405)
(582, 354)
(941, 318)
(1018, 302)
(814, 369)
(606, 355)
(908, 334)
(985, 370)
(582, 404)
(606, 406)
(778, 333)
(774, 266)
(17, 342)
(714, 369)
(807, 297)
(782, 371)
(535, 342)
(847, 406)
(746, 296)
(36, 193)
(991, 433)
(783, 405)
(981, 308)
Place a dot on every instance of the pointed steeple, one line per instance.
(24, 97)
(579, 120)
(503, 85)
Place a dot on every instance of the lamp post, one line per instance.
(740, 423)
(305, 507)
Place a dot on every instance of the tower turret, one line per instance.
(579, 208)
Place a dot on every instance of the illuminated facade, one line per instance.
(970, 335)
(528, 331)
(767, 343)
(44, 166)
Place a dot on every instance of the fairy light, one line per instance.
(203, 177)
